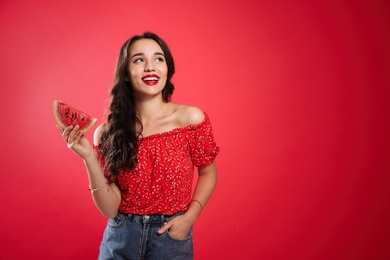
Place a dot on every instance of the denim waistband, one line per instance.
(153, 218)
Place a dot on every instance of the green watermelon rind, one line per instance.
(62, 125)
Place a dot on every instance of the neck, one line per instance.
(151, 109)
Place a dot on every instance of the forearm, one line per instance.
(108, 198)
(204, 188)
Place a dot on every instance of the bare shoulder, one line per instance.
(98, 134)
(190, 115)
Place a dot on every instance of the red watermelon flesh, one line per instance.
(66, 115)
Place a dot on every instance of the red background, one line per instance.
(297, 91)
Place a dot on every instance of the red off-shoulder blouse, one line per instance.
(161, 183)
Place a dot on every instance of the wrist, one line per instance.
(90, 159)
(190, 216)
(193, 211)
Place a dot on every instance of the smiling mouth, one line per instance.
(151, 79)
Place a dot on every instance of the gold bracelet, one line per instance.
(93, 190)
(200, 204)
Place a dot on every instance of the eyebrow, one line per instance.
(142, 54)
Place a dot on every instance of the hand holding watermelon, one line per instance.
(73, 123)
(76, 141)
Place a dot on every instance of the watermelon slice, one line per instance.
(66, 115)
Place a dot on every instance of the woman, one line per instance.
(141, 165)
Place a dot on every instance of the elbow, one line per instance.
(110, 214)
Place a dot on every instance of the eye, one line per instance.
(160, 59)
(138, 60)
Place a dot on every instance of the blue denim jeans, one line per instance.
(129, 236)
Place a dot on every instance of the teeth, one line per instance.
(150, 79)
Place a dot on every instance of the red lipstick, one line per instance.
(150, 79)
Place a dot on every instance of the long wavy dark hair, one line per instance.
(119, 140)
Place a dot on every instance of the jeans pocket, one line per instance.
(188, 237)
(117, 222)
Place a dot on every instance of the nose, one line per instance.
(149, 66)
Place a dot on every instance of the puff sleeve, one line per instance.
(203, 147)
